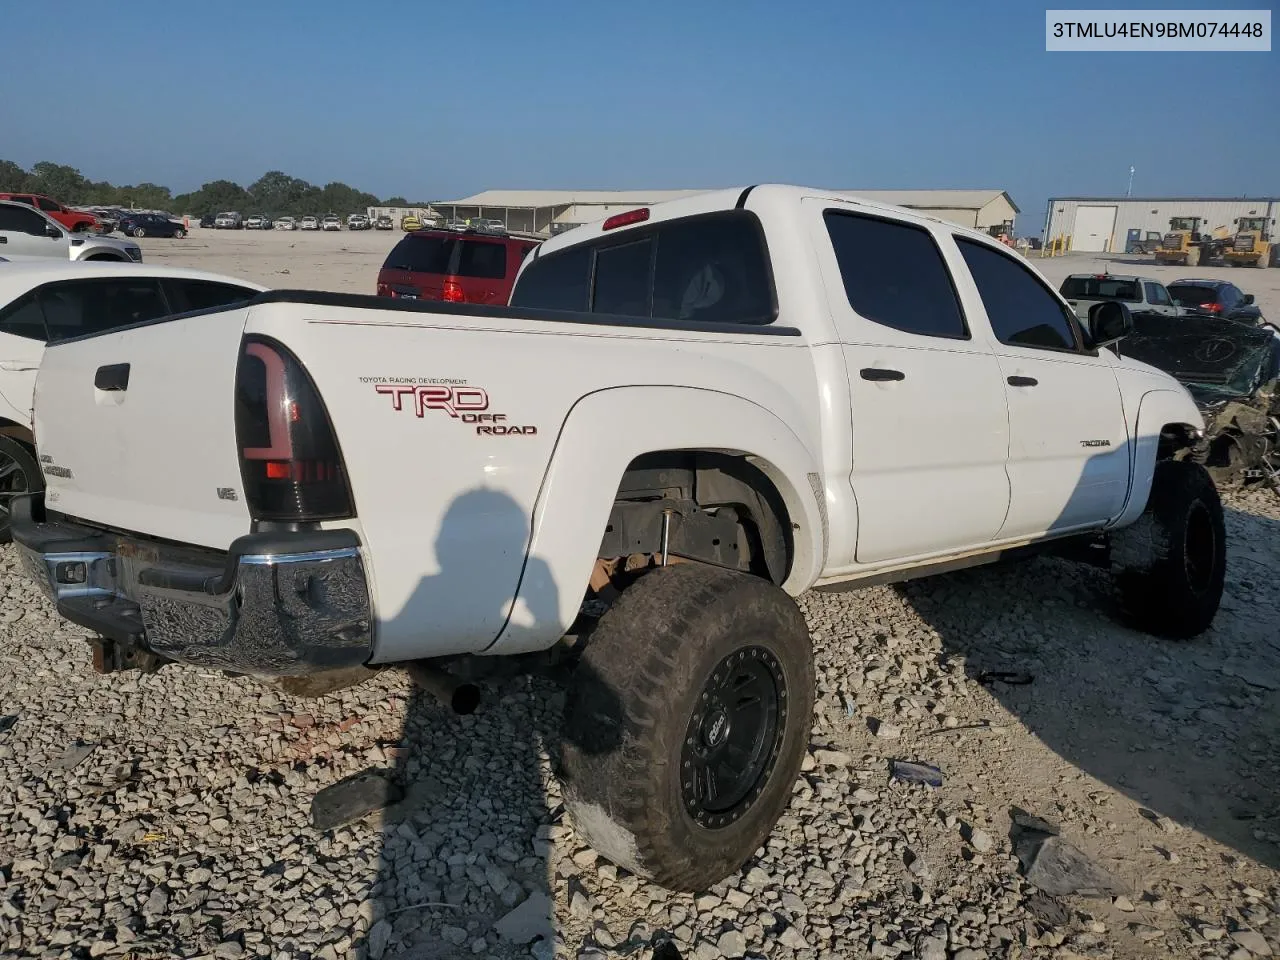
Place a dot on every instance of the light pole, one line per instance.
(1128, 192)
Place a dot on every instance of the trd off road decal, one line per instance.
(456, 399)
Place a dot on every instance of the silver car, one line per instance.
(1084, 291)
(28, 232)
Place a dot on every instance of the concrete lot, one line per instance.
(348, 262)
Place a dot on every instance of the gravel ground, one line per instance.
(168, 815)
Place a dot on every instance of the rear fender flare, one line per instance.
(603, 433)
(1156, 410)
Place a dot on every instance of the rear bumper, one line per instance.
(274, 604)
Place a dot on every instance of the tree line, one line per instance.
(274, 194)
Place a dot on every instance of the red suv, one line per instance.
(458, 267)
(73, 220)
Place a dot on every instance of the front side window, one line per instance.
(82, 307)
(1157, 295)
(1022, 311)
(21, 220)
(894, 275)
(23, 318)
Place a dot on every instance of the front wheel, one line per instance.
(1169, 567)
(179, 234)
(19, 473)
(687, 722)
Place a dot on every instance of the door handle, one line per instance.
(880, 374)
(1023, 381)
(114, 376)
(4, 239)
(17, 366)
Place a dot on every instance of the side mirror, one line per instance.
(52, 232)
(1109, 322)
(1248, 299)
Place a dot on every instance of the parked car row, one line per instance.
(1190, 297)
(234, 221)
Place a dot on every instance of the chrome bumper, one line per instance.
(282, 604)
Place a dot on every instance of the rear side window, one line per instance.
(420, 254)
(559, 281)
(711, 268)
(1100, 288)
(23, 318)
(1021, 309)
(894, 275)
(96, 306)
(475, 258)
(44, 203)
(186, 295)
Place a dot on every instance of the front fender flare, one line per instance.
(1156, 410)
(603, 433)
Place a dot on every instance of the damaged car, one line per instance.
(1232, 370)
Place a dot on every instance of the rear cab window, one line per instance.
(707, 268)
(79, 307)
(1100, 288)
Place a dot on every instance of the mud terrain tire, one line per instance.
(1169, 567)
(696, 686)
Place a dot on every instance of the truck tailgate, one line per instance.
(136, 429)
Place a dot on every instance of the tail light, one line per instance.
(452, 292)
(289, 457)
(384, 290)
(1211, 307)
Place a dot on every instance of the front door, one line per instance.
(930, 427)
(1068, 443)
(24, 233)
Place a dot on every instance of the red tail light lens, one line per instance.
(452, 292)
(384, 290)
(289, 458)
(1211, 307)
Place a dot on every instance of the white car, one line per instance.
(310, 223)
(688, 415)
(286, 223)
(28, 232)
(331, 222)
(44, 301)
(228, 221)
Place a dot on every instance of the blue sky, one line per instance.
(434, 100)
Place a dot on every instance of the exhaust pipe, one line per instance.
(460, 696)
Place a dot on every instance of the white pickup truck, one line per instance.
(687, 414)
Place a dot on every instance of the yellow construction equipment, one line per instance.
(1251, 244)
(1185, 244)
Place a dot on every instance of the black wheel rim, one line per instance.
(733, 738)
(13, 481)
(1200, 558)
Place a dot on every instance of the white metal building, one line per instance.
(1113, 224)
(545, 211)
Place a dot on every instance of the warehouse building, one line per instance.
(550, 211)
(1115, 224)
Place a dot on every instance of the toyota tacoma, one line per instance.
(687, 415)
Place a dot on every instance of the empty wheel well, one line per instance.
(715, 507)
(18, 431)
(1177, 441)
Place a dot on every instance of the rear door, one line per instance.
(930, 427)
(1068, 443)
(138, 423)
